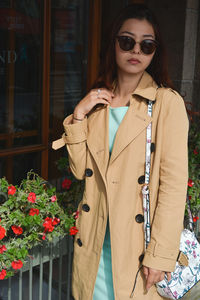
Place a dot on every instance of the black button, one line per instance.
(79, 242)
(141, 179)
(141, 257)
(153, 147)
(88, 172)
(139, 218)
(85, 207)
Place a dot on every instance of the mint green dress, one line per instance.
(103, 289)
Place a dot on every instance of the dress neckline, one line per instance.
(118, 107)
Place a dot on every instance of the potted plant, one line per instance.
(30, 214)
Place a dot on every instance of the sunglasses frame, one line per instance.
(118, 37)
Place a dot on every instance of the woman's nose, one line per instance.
(136, 49)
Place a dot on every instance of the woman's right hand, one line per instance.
(90, 100)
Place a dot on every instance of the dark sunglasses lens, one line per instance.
(126, 43)
(148, 46)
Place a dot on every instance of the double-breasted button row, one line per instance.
(85, 207)
(153, 147)
(141, 257)
(141, 179)
(88, 172)
(139, 218)
(79, 242)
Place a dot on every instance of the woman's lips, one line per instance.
(133, 61)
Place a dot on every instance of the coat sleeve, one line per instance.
(167, 223)
(75, 138)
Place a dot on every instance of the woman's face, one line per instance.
(134, 61)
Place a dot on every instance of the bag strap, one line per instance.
(145, 188)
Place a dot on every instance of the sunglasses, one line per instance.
(127, 43)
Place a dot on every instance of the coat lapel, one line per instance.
(132, 125)
(136, 119)
(98, 140)
(134, 122)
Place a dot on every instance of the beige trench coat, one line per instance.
(113, 187)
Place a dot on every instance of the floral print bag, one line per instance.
(187, 271)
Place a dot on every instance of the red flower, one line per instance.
(195, 219)
(3, 274)
(11, 190)
(195, 152)
(34, 211)
(17, 229)
(48, 225)
(55, 221)
(2, 232)
(31, 197)
(190, 197)
(17, 264)
(44, 237)
(2, 249)
(66, 184)
(190, 183)
(73, 230)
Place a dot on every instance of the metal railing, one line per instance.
(45, 276)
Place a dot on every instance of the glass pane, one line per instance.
(69, 30)
(20, 72)
(21, 165)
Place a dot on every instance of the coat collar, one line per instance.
(134, 122)
(147, 88)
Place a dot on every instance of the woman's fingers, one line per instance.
(152, 276)
(169, 276)
(103, 94)
(94, 97)
(145, 271)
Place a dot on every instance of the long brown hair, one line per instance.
(158, 68)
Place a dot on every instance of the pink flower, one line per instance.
(194, 254)
(32, 197)
(190, 182)
(76, 214)
(53, 198)
(188, 242)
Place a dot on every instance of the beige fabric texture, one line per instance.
(113, 189)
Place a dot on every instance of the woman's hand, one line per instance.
(93, 98)
(153, 276)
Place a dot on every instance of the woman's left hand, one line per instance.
(153, 276)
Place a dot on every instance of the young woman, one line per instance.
(106, 138)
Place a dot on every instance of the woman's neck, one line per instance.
(125, 86)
